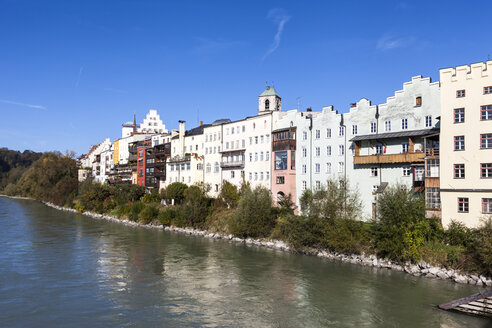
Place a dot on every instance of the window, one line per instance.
(304, 185)
(250, 157)
(486, 141)
(486, 112)
(304, 168)
(354, 129)
(373, 127)
(341, 150)
(304, 135)
(328, 168)
(387, 126)
(318, 134)
(374, 171)
(256, 176)
(459, 171)
(206, 151)
(463, 205)
(172, 167)
(404, 147)
(244, 128)
(208, 168)
(281, 160)
(188, 166)
(250, 140)
(317, 167)
(379, 149)
(140, 152)
(261, 156)
(428, 121)
(328, 150)
(318, 151)
(328, 133)
(261, 139)
(216, 167)
(232, 130)
(250, 176)
(404, 123)
(407, 171)
(486, 205)
(280, 180)
(267, 104)
(256, 140)
(340, 167)
(267, 156)
(459, 115)
(433, 198)
(486, 170)
(418, 101)
(341, 131)
(459, 143)
(261, 175)
(243, 143)
(460, 93)
(267, 176)
(304, 152)
(292, 160)
(487, 90)
(432, 168)
(256, 157)
(318, 185)
(267, 138)
(199, 166)
(232, 174)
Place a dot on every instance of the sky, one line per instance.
(71, 72)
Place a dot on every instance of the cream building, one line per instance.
(466, 143)
(212, 161)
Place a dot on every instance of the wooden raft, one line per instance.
(476, 304)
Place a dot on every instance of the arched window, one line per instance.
(267, 104)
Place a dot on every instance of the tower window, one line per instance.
(267, 104)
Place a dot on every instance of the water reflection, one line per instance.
(59, 269)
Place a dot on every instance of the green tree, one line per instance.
(229, 194)
(195, 207)
(176, 191)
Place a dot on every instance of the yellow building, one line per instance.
(466, 143)
(116, 154)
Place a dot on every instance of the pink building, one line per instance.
(284, 164)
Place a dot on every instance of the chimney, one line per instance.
(309, 109)
(352, 105)
(201, 123)
(181, 138)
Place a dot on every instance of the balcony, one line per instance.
(227, 165)
(179, 159)
(289, 144)
(389, 158)
(160, 164)
(432, 152)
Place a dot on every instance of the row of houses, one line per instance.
(434, 137)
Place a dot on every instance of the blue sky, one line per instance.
(71, 72)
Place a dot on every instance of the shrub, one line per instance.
(438, 253)
(166, 215)
(254, 216)
(458, 234)
(148, 213)
(229, 194)
(401, 229)
(135, 210)
(152, 197)
(195, 207)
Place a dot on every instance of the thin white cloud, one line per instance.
(388, 42)
(279, 17)
(78, 77)
(21, 104)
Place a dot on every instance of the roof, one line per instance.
(410, 133)
(193, 132)
(221, 121)
(269, 91)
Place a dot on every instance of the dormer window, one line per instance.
(418, 101)
(267, 104)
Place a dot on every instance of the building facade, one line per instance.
(466, 143)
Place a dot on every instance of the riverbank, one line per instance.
(422, 269)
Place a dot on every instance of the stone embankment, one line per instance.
(422, 269)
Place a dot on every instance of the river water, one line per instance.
(59, 269)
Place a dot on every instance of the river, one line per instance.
(60, 269)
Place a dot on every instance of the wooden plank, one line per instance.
(486, 306)
(465, 300)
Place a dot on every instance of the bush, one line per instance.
(254, 216)
(195, 207)
(135, 210)
(401, 229)
(438, 253)
(152, 197)
(148, 213)
(166, 215)
(229, 194)
(458, 234)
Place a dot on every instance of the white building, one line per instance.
(386, 141)
(466, 143)
(213, 155)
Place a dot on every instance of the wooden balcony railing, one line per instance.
(389, 158)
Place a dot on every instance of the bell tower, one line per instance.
(269, 101)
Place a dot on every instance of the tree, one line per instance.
(229, 194)
(176, 191)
